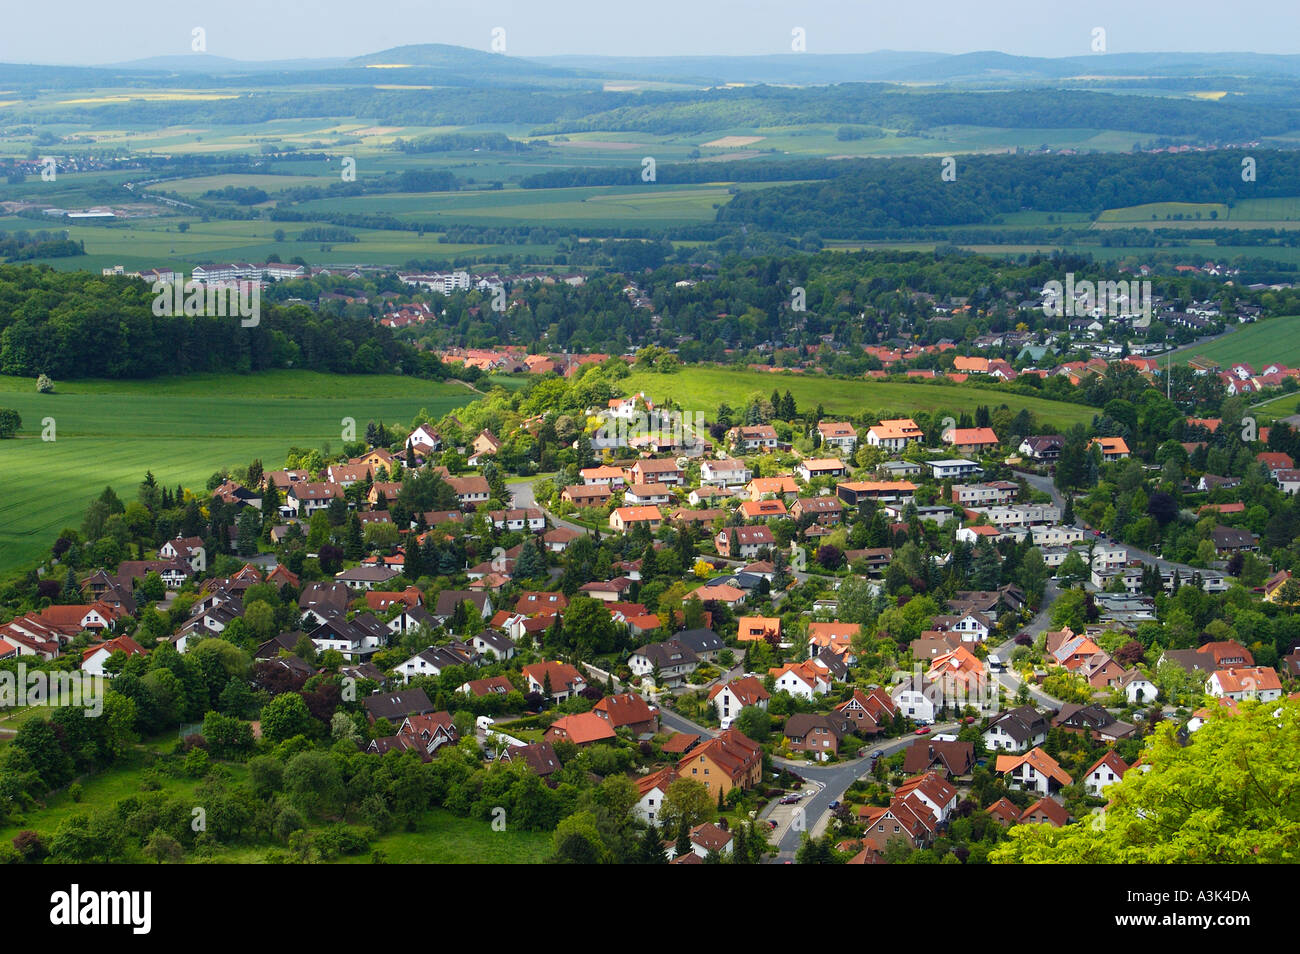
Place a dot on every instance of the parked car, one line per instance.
(791, 800)
(924, 730)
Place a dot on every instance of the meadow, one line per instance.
(704, 388)
(108, 433)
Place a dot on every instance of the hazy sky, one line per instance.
(95, 31)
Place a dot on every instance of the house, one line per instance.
(763, 487)
(448, 600)
(855, 492)
(705, 839)
(1107, 770)
(753, 628)
(762, 509)
(1092, 720)
(189, 549)
(818, 734)
(1046, 811)
(727, 700)
(530, 519)
(424, 734)
(1016, 729)
(728, 760)
(724, 473)
(1232, 540)
(587, 495)
(641, 495)
(1205, 659)
(1043, 447)
(813, 468)
(630, 711)
(1252, 682)
(972, 440)
(1137, 687)
(651, 790)
(914, 697)
(1034, 770)
(584, 728)
(840, 436)
(704, 643)
(655, 471)
(305, 498)
(424, 439)
(747, 544)
(758, 437)
(826, 511)
(1112, 448)
(396, 706)
(366, 577)
(470, 491)
(94, 658)
(491, 686)
(625, 518)
(485, 444)
(562, 679)
(540, 757)
(673, 660)
(1004, 812)
(802, 680)
(952, 468)
(867, 712)
(835, 636)
(603, 476)
(952, 759)
(894, 434)
(491, 644)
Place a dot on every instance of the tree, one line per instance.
(284, 717)
(686, 802)
(10, 422)
(1227, 797)
(754, 723)
(44, 385)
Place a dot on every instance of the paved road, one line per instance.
(521, 496)
(1045, 484)
(830, 782)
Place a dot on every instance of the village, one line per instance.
(860, 639)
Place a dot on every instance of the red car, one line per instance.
(924, 730)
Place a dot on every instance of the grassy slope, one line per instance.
(183, 429)
(704, 388)
(1277, 339)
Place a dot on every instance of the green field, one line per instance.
(704, 388)
(1277, 339)
(182, 429)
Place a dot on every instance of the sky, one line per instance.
(93, 32)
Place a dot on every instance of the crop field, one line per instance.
(182, 429)
(645, 205)
(1277, 339)
(704, 388)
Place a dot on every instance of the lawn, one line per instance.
(181, 429)
(704, 388)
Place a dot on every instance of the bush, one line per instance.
(44, 385)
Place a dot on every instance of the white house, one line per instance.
(913, 701)
(1106, 771)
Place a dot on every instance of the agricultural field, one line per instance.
(181, 429)
(704, 388)
(1277, 339)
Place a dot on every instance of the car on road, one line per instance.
(877, 754)
(924, 730)
(834, 805)
(969, 720)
